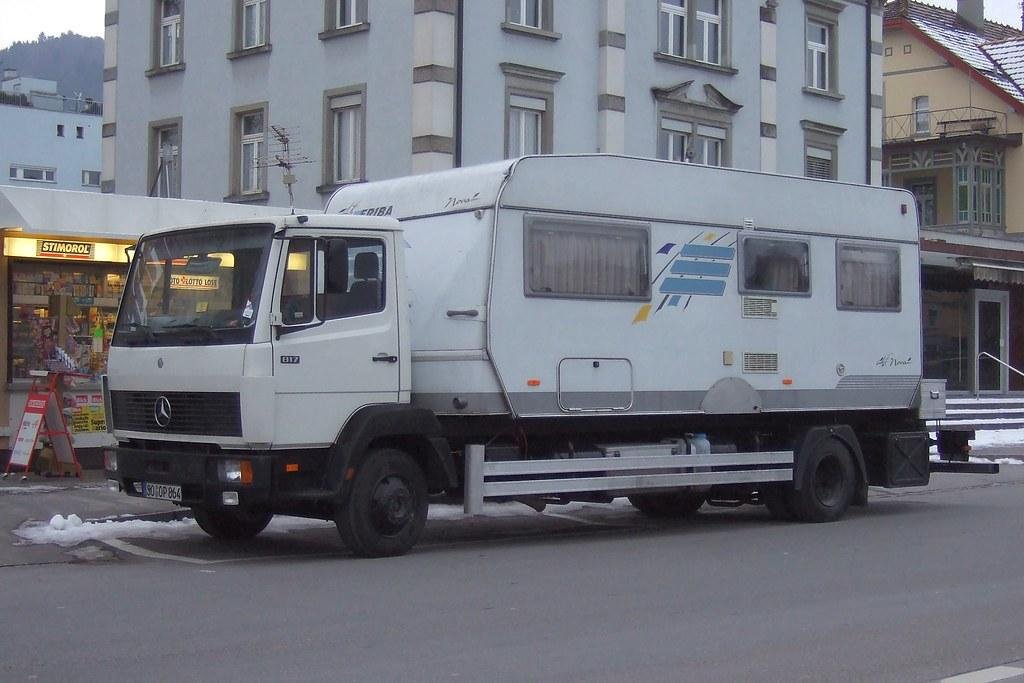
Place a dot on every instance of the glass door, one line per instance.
(991, 337)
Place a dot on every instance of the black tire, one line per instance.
(674, 505)
(386, 508)
(828, 484)
(232, 526)
(776, 500)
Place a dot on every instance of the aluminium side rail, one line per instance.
(621, 471)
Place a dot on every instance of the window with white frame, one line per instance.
(707, 31)
(170, 32)
(254, 23)
(346, 139)
(525, 125)
(526, 12)
(868, 277)
(346, 13)
(251, 149)
(672, 27)
(696, 143)
(572, 258)
(90, 178)
(922, 115)
(819, 46)
(165, 160)
(775, 266)
(39, 174)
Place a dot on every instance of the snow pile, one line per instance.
(986, 461)
(999, 437)
(29, 489)
(71, 530)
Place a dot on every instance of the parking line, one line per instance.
(124, 546)
(995, 673)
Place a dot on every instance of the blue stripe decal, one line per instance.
(674, 301)
(667, 248)
(702, 251)
(701, 268)
(681, 285)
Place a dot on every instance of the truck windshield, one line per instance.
(198, 286)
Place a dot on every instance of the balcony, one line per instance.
(943, 124)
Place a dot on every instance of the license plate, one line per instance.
(162, 491)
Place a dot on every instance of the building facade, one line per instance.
(47, 140)
(229, 100)
(954, 100)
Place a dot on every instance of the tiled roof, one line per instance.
(997, 53)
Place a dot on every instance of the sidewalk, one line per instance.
(40, 498)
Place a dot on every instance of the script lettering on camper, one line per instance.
(890, 360)
(64, 249)
(455, 202)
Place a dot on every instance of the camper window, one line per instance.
(868, 277)
(775, 266)
(586, 259)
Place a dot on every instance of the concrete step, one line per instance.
(984, 413)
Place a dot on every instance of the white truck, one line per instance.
(547, 329)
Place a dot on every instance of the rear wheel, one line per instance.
(828, 484)
(386, 508)
(231, 526)
(676, 504)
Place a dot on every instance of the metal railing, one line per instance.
(940, 123)
(977, 363)
(52, 102)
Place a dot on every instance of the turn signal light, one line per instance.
(236, 471)
(291, 467)
(533, 382)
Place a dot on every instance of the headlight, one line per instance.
(235, 471)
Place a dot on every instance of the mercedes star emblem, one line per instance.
(162, 411)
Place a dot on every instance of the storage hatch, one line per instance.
(595, 384)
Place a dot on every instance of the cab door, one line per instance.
(336, 333)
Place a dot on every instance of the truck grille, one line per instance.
(184, 412)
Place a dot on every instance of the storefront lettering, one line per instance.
(63, 249)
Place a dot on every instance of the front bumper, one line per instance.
(197, 474)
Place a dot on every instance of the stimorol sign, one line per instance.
(82, 251)
(197, 282)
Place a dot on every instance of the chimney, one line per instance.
(10, 74)
(972, 13)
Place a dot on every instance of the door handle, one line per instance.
(385, 358)
(469, 313)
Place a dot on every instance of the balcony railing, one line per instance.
(941, 123)
(52, 102)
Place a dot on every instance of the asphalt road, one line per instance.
(920, 585)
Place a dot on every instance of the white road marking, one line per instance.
(127, 547)
(995, 673)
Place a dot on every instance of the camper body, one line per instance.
(546, 329)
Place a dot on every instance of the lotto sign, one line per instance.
(28, 432)
(206, 283)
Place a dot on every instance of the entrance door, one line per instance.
(991, 335)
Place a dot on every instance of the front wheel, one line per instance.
(386, 508)
(231, 526)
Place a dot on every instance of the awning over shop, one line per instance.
(113, 216)
(999, 274)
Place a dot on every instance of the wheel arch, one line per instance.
(413, 430)
(810, 438)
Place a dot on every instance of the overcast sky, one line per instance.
(26, 19)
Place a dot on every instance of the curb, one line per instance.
(172, 516)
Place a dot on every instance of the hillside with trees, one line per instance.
(74, 61)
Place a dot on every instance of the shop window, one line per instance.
(62, 316)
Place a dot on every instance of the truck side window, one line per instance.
(297, 289)
(776, 266)
(868, 277)
(353, 277)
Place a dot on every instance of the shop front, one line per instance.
(63, 265)
(973, 310)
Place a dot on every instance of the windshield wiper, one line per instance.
(208, 333)
(140, 334)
